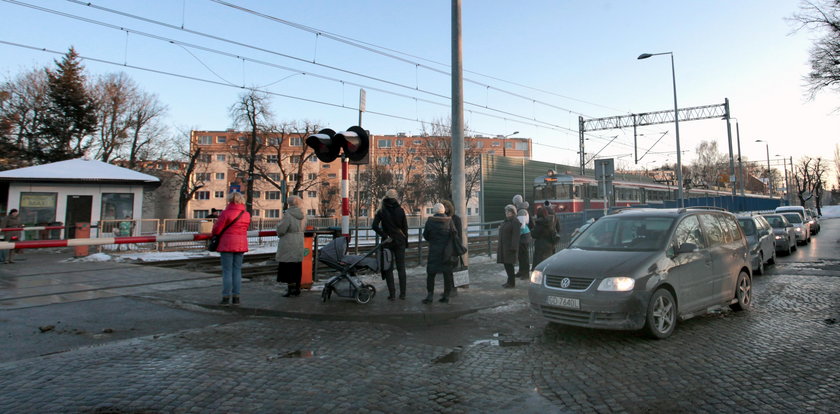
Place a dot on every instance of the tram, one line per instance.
(574, 193)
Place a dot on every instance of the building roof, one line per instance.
(79, 170)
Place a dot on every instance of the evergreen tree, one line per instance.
(70, 118)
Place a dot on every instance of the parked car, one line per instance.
(806, 214)
(783, 232)
(813, 221)
(760, 240)
(645, 270)
(800, 227)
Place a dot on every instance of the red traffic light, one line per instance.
(324, 145)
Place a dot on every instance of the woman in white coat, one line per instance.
(290, 248)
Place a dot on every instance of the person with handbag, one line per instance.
(290, 248)
(232, 230)
(437, 233)
(508, 247)
(543, 235)
(390, 222)
(456, 223)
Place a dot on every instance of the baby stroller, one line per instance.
(346, 284)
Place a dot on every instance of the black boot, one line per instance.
(429, 298)
(235, 300)
(225, 301)
(290, 290)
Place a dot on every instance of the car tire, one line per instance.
(661, 318)
(772, 260)
(743, 292)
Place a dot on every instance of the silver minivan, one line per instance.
(645, 269)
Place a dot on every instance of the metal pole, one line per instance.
(458, 178)
(740, 165)
(731, 156)
(677, 127)
(582, 154)
(345, 201)
(769, 175)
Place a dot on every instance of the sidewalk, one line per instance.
(42, 278)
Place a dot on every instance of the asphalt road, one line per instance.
(782, 356)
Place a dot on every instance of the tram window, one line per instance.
(576, 191)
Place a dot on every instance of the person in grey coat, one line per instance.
(506, 252)
(290, 248)
(437, 233)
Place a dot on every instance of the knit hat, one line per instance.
(438, 208)
(510, 208)
(517, 199)
(391, 194)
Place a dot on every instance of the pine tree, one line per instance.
(70, 118)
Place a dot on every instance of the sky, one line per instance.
(532, 67)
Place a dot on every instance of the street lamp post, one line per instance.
(787, 183)
(504, 142)
(676, 124)
(769, 175)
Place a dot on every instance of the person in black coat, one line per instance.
(508, 248)
(390, 222)
(456, 221)
(437, 233)
(543, 235)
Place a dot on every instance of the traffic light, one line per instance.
(326, 149)
(327, 144)
(355, 142)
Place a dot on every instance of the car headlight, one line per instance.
(798, 229)
(617, 284)
(537, 277)
(778, 237)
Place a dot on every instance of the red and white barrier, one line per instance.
(33, 228)
(34, 244)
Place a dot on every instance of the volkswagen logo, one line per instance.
(565, 282)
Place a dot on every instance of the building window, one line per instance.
(202, 176)
(312, 194)
(272, 213)
(521, 146)
(509, 145)
(294, 159)
(294, 177)
(400, 143)
(491, 152)
(202, 195)
(219, 194)
(398, 160)
(242, 139)
(117, 206)
(325, 166)
(313, 158)
(429, 210)
(383, 143)
(205, 140)
(478, 144)
(272, 195)
(221, 157)
(496, 144)
(333, 175)
(174, 166)
(204, 158)
(383, 160)
(199, 214)
(417, 142)
(220, 176)
(295, 142)
(418, 158)
(273, 176)
(221, 139)
(273, 141)
(255, 195)
(271, 158)
(310, 212)
(256, 213)
(311, 176)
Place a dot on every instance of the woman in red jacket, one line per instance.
(233, 244)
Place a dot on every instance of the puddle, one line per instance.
(294, 354)
(513, 343)
(449, 358)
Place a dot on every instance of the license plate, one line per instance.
(570, 303)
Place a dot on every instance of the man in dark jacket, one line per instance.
(11, 221)
(390, 222)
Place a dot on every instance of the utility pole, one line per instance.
(458, 178)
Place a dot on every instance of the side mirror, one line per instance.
(686, 248)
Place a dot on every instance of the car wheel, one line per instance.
(760, 270)
(743, 292)
(661, 314)
(772, 260)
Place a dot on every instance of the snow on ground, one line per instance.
(830, 212)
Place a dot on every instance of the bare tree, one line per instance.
(822, 16)
(289, 155)
(251, 112)
(328, 199)
(113, 94)
(809, 178)
(439, 161)
(145, 132)
(709, 167)
(401, 170)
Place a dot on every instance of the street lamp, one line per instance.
(740, 165)
(676, 123)
(504, 142)
(787, 183)
(769, 176)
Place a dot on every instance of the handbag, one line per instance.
(458, 248)
(213, 244)
(461, 274)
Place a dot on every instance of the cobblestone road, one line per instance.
(780, 357)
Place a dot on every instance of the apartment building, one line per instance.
(220, 171)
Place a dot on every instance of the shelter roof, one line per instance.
(79, 170)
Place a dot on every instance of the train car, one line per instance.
(575, 193)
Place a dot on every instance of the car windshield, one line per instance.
(776, 221)
(793, 217)
(631, 233)
(748, 226)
